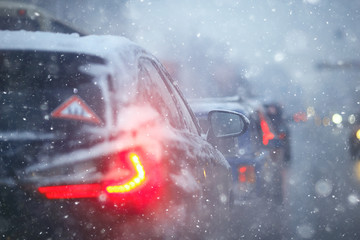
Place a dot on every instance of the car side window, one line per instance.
(188, 117)
(152, 89)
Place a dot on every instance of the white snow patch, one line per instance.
(102, 46)
(323, 187)
(279, 57)
(353, 199)
(25, 136)
(305, 231)
(312, 1)
(186, 181)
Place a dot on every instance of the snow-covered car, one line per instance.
(24, 16)
(256, 174)
(97, 142)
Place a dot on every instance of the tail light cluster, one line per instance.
(21, 12)
(267, 134)
(71, 191)
(246, 174)
(128, 178)
(134, 182)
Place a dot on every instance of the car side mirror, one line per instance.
(227, 123)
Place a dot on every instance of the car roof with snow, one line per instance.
(101, 46)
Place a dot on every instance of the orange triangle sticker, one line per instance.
(75, 108)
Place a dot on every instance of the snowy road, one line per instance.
(322, 194)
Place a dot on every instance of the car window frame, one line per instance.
(181, 98)
(175, 94)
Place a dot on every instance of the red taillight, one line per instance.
(267, 134)
(71, 191)
(21, 12)
(246, 174)
(114, 182)
(136, 181)
(300, 117)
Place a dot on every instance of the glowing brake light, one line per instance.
(300, 117)
(246, 174)
(21, 12)
(134, 182)
(71, 191)
(267, 134)
(96, 189)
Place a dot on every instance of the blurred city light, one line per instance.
(326, 121)
(337, 118)
(358, 134)
(352, 119)
(310, 111)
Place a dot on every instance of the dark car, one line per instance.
(24, 16)
(256, 172)
(97, 142)
(281, 142)
(354, 139)
(354, 146)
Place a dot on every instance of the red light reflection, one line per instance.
(267, 134)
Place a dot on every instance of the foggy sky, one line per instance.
(276, 45)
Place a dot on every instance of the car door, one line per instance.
(202, 172)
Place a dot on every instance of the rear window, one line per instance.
(29, 71)
(32, 84)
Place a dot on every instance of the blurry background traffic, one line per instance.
(302, 55)
(298, 52)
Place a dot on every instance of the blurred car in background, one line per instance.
(354, 145)
(281, 142)
(257, 173)
(354, 140)
(23, 16)
(99, 143)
